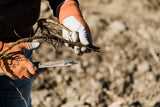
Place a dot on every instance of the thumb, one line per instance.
(29, 45)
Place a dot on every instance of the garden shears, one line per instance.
(51, 64)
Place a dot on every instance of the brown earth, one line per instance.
(125, 74)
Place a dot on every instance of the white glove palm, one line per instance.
(83, 36)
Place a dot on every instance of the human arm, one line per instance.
(17, 65)
(70, 16)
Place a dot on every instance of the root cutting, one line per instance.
(48, 32)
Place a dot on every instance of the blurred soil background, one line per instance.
(125, 74)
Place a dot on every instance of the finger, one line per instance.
(23, 74)
(14, 77)
(75, 38)
(83, 38)
(5, 67)
(27, 75)
(30, 67)
(86, 40)
(77, 50)
(67, 36)
(29, 45)
(83, 49)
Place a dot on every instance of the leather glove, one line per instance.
(18, 66)
(70, 16)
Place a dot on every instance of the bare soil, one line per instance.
(125, 74)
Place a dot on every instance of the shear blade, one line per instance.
(56, 63)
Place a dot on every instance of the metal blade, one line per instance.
(56, 63)
(49, 64)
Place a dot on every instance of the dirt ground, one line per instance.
(127, 71)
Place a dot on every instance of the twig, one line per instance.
(153, 53)
(62, 26)
(17, 34)
(91, 47)
(20, 93)
(2, 55)
(49, 35)
(117, 101)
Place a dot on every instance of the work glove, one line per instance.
(70, 16)
(18, 66)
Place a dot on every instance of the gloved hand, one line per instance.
(70, 16)
(18, 66)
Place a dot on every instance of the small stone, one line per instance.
(78, 68)
(91, 100)
(59, 78)
(83, 97)
(117, 27)
(144, 66)
(99, 76)
(94, 84)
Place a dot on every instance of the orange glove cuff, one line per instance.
(68, 8)
(71, 8)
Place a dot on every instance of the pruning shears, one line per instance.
(50, 64)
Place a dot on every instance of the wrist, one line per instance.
(69, 8)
